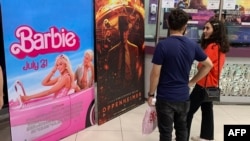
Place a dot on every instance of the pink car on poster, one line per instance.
(51, 118)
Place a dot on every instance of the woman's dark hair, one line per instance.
(219, 35)
(177, 19)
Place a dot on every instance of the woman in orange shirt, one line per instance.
(214, 42)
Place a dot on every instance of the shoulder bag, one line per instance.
(213, 93)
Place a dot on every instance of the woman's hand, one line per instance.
(54, 69)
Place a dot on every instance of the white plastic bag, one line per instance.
(149, 122)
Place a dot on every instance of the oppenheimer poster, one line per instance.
(120, 56)
(50, 70)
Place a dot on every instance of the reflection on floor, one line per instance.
(4, 125)
(127, 127)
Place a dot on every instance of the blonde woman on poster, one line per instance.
(60, 85)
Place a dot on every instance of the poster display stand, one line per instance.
(120, 57)
(48, 48)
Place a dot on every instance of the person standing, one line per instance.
(214, 42)
(172, 61)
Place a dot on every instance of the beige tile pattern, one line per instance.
(127, 127)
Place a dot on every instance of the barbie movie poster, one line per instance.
(120, 56)
(49, 61)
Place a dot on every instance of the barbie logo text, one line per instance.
(33, 43)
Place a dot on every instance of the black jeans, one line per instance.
(169, 113)
(207, 117)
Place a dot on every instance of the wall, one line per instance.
(150, 29)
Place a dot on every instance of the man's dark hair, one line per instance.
(177, 19)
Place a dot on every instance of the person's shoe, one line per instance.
(197, 138)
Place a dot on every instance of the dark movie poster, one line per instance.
(120, 56)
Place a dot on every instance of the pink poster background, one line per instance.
(49, 57)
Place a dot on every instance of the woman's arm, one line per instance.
(54, 89)
(47, 80)
(1, 88)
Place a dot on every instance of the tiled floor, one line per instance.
(127, 127)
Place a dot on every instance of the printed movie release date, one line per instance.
(35, 65)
